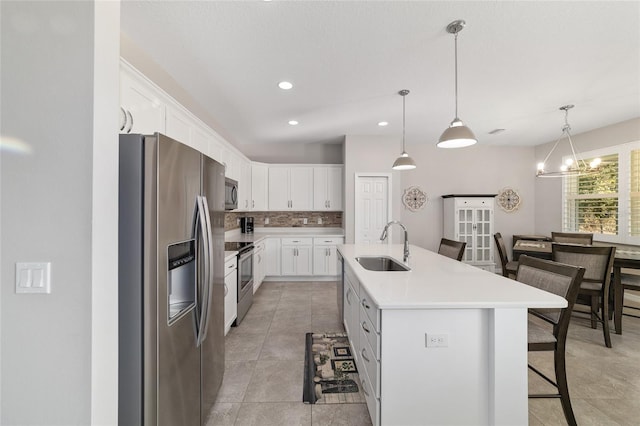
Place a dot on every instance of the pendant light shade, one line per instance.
(404, 162)
(457, 135)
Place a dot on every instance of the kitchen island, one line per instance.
(443, 343)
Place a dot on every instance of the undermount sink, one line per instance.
(381, 263)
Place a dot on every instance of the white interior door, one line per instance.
(372, 207)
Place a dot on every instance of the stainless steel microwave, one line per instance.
(230, 194)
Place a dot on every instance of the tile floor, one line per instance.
(265, 363)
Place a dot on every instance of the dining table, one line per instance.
(626, 256)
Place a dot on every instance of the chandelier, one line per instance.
(573, 165)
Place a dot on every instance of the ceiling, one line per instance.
(518, 63)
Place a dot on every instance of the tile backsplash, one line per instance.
(285, 219)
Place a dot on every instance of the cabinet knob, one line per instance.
(364, 304)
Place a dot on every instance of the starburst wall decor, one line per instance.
(414, 198)
(508, 200)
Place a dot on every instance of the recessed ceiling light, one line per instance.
(285, 85)
(293, 122)
(383, 123)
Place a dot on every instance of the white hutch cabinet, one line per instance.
(469, 218)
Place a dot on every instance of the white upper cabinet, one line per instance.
(232, 161)
(259, 190)
(244, 185)
(141, 108)
(290, 188)
(327, 188)
(178, 125)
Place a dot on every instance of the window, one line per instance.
(606, 202)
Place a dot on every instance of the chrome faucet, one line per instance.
(406, 237)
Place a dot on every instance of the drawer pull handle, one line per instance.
(364, 388)
(226, 291)
(348, 300)
(364, 327)
(364, 304)
(364, 356)
(230, 267)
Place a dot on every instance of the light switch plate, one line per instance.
(33, 277)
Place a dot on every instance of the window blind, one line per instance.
(591, 200)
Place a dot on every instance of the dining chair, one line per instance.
(572, 238)
(509, 268)
(547, 328)
(629, 282)
(594, 290)
(452, 249)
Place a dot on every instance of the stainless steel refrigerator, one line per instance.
(171, 282)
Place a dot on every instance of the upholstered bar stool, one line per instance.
(452, 249)
(547, 328)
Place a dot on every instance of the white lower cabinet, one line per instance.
(273, 254)
(296, 256)
(352, 310)
(259, 264)
(325, 260)
(230, 293)
(362, 323)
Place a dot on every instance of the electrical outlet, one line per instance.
(436, 340)
(266, 220)
(319, 221)
(238, 221)
(304, 221)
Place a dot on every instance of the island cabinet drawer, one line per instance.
(297, 241)
(368, 333)
(371, 364)
(370, 308)
(327, 241)
(373, 403)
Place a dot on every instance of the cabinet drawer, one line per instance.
(369, 332)
(370, 308)
(297, 241)
(371, 365)
(230, 266)
(373, 403)
(327, 241)
(259, 246)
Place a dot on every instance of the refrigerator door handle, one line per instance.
(208, 269)
(200, 233)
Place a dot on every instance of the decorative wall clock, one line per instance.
(414, 198)
(508, 200)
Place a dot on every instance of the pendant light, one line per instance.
(404, 162)
(573, 165)
(457, 135)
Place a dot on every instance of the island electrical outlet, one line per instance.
(436, 340)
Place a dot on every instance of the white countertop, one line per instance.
(436, 281)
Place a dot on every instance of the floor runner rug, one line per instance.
(330, 375)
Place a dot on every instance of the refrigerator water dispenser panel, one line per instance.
(181, 295)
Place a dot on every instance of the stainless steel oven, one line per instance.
(245, 277)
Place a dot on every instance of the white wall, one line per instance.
(475, 170)
(48, 200)
(368, 154)
(294, 153)
(548, 214)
